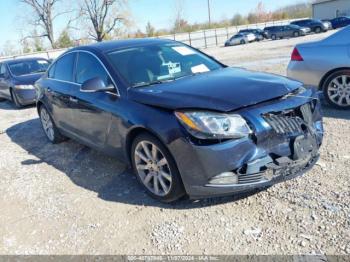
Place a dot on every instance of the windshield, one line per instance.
(159, 63)
(28, 67)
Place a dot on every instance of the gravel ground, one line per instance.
(69, 199)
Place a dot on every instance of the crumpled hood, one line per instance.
(221, 90)
(27, 79)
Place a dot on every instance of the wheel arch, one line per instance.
(38, 105)
(132, 134)
(328, 74)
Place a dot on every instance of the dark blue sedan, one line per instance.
(187, 124)
(17, 78)
(340, 22)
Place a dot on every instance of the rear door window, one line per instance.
(2, 70)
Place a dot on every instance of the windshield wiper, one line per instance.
(158, 82)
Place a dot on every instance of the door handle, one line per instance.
(73, 100)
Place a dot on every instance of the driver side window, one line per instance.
(88, 67)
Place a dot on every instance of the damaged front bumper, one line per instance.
(287, 136)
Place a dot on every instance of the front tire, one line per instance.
(156, 169)
(243, 42)
(49, 127)
(318, 30)
(336, 89)
(274, 37)
(296, 34)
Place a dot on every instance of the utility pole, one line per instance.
(209, 14)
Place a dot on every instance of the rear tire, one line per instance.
(243, 42)
(296, 34)
(318, 30)
(49, 127)
(336, 89)
(155, 169)
(274, 37)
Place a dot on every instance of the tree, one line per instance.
(179, 16)
(104, 16)
(252, 18)
(64, 40)
(150, 30)
(26, 46)
(238, 19)
(38, 43)
(8, 49)
(139, 34)
(44, 17)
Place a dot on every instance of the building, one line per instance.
(329, 9)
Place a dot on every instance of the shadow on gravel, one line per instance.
(7, 105)
(330, 112)
(87, 168)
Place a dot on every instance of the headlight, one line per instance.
(25, 87)
(210, 125)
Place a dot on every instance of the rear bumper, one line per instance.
(253, 160)
(302, 72)
(26, 96)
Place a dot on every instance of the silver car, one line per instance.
(326, 65)
(240, 39)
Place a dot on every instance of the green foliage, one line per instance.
(64, 40)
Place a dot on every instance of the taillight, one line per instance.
(296, 56)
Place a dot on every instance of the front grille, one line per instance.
(291, 121)
(249, 179)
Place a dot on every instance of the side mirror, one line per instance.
(95, 85)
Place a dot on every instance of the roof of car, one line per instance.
(19, 60)
(108, 46)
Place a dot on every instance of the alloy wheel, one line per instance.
(339, 90)
(47, 124)
(153, 168)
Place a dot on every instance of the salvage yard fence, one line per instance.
(198, 39)
(218, 36)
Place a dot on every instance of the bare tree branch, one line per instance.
(99, 13)
(44, 17)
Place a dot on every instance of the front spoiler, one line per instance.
(282, 174)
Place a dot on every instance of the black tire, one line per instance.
(318, 30)
(176, 187)
(243, 42)
(273, 37)
(296, 34)
(57, 137)
(326, 86)
(15, 99)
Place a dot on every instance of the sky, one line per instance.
(159, 12)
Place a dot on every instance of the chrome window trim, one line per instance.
(77, 84)
(63, 81)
